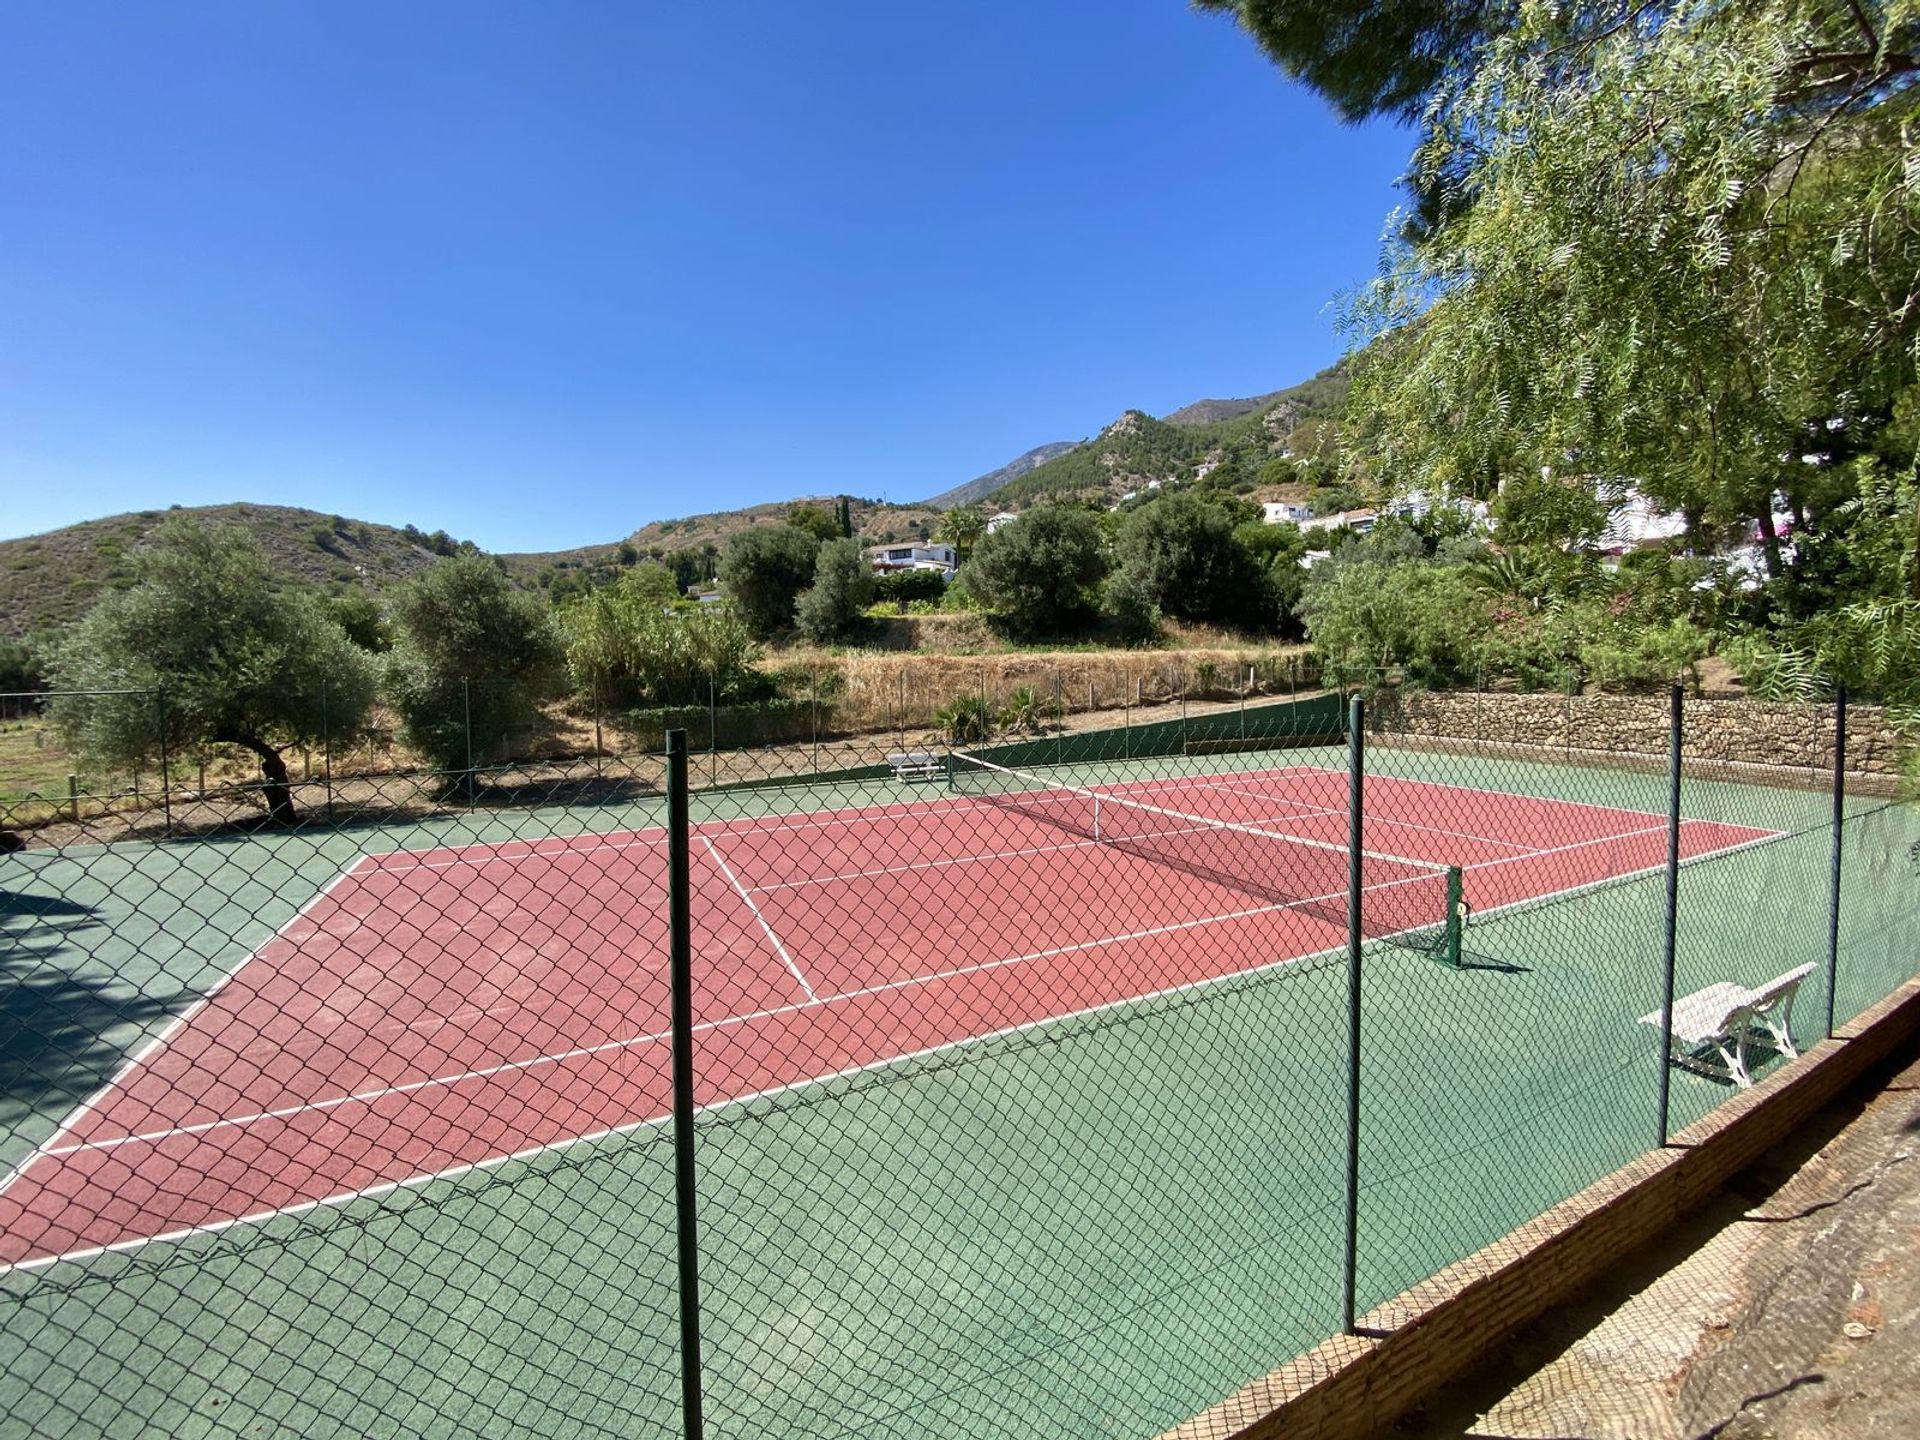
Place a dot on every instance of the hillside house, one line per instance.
(1005, 517)
(1358, 521)
(920, 556)
(1285, 512)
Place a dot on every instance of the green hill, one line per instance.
(49, 580)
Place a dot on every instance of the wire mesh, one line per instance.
(358, 1122)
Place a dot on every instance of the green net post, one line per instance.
(1450, 938)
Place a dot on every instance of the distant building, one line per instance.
(1005, 517)
(1358, 521)
(1288, 512)
(920, 556)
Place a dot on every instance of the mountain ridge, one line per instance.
(50, 579)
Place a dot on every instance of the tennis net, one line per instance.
(1411, 903)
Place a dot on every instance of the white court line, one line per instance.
(772, 939)
(1508, 795)
(551, 1147)
(368, 1097)
(169, 1030)
(1374, 819)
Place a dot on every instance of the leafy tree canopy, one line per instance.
(962, 527)
(1039, 573)
(1183, 554)
(235, 662)
(816, 520)
(834, 607)
(763, 571)
(472, 661)
(624, 648)
(1684, 251)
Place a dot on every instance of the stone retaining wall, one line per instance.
(1739, 732)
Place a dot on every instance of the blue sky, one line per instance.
(538, 274)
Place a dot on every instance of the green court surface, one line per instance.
(1091, 1228)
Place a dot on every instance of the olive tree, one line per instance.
(203, 650)
(473, 659)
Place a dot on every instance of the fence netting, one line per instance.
(1018, 1038)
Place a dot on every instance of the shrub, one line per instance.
(626, 649)
(1129, 602)
(763, 571)
(834, 606)
(904, 587)
(1040, 572)
(1027, 711)
(965, 718)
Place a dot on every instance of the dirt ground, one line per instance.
(1787, 1310)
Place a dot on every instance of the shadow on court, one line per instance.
(63, 1032)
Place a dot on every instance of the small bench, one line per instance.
(1719, 1021)
(916, 765)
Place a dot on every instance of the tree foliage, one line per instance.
(962, 527)
(1040, 572)
(904, 587)
(1682, 248)
(472, 660)
(213, 655)
(834, 607)
(625, 649)
(816, 520)
(763, 570)
(1182, 553)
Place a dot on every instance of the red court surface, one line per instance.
(434, 1011)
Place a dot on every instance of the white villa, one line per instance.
(920, 556)
(1285, 512)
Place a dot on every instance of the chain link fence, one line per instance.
(1052, 1064)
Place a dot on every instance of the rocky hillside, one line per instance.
(1279, 439)
(982, 486)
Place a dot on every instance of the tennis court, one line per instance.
(434, 1011)
(1022, 1097)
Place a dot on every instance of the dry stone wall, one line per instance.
(1739, 732)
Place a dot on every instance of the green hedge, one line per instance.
(727, 727)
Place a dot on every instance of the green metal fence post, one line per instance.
(680, 967)
(466, 722)
(1356, 769)
(166, 797)
(326, 749)
(1839, 827)
(1676, 721)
